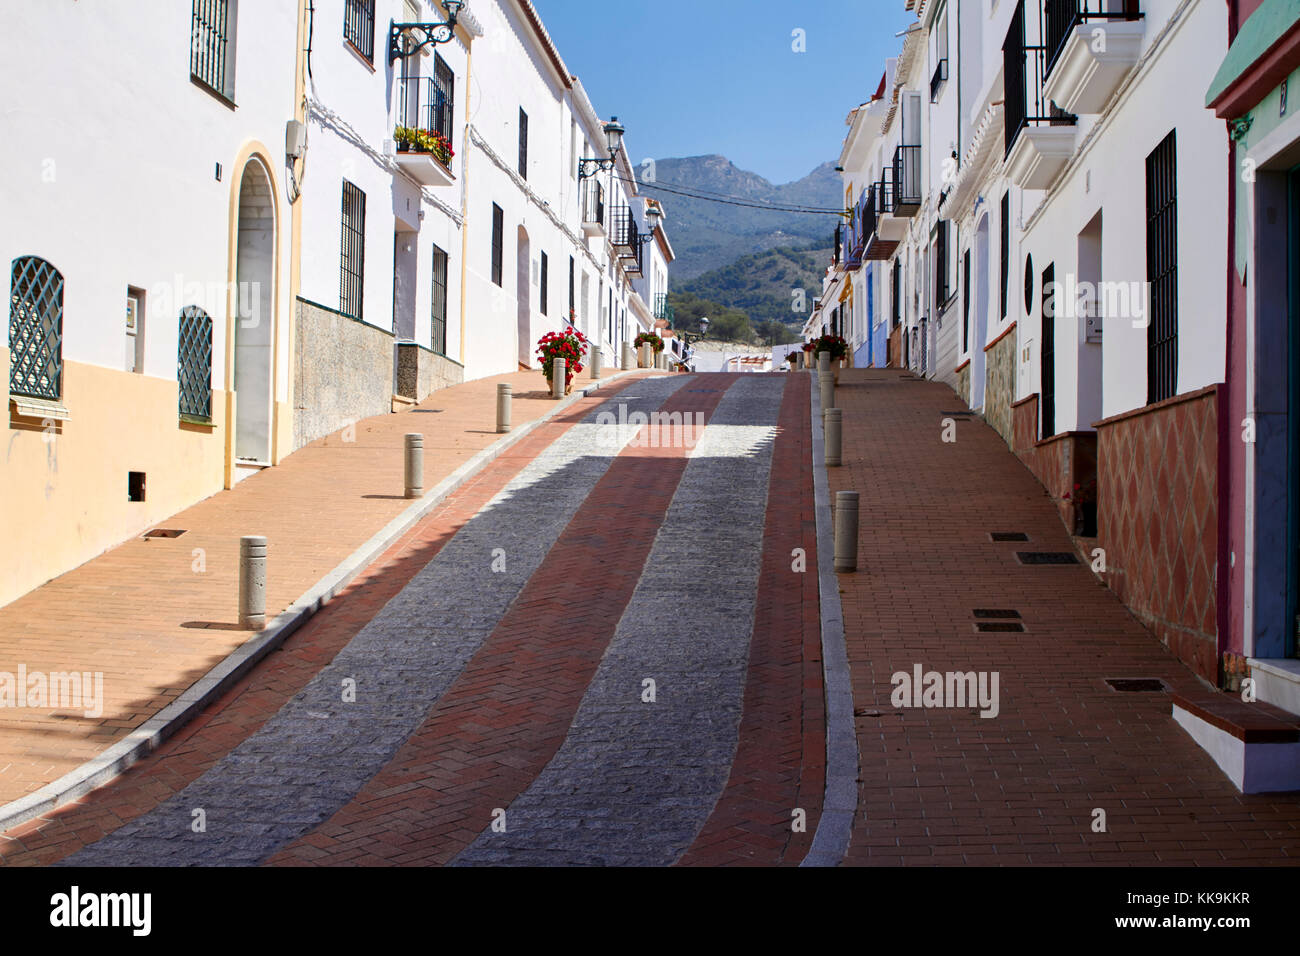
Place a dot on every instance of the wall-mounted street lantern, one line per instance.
(588, 167)
(434, 33)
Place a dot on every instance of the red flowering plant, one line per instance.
(834, 344)
(793, 358)
(649, 338)
(808, 346)
(570, 345)
(415, 140)
(1083, 493)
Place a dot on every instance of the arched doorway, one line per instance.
(254, 327)
(981, 292)
(524, 301)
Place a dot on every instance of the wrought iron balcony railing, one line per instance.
(423, 104)
(663, 310)
(1060, 17)
(1025, 70)
(624, 234)
(906, 171)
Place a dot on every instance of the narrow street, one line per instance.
(606, 649)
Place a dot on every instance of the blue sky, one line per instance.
(690, 77)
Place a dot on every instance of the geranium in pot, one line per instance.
(647, 338)
(570, 345)
(838, 349)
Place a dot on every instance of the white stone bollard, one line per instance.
(834, 436)
(252, 582)
(646, 353)
(827, 380)
(846, 531)
(504, 394)
(559, 372)
(596, 356)
(414, 465)
(823, 361)
(629, 356)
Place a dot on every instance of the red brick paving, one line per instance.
(949, 787)
(780, 760)
(504, 717)
(245, 707)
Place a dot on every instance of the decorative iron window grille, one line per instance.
(35, 329)
(444, 81)
(572, 301)
(1004, 260)
(965, 302)
(543, 307)
(593, 202)
(1162, 270)
(498, 242)
(439, 337)
(359, 26)
(194, 362)
(352, 254)
(896, 296)
(1047, 353)
(209, 38)
(941, 283)
(523, 144)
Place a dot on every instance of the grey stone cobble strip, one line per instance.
(634, 782)
(150, 735)
(834, 827)
(309, 759)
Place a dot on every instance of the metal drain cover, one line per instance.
(1047, 557)
(999, 627)
(1137, 685)
(165, 533)
(987, 612)
(1008, 536)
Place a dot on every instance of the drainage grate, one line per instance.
(996, 612)
(958, 414)
(999, 627)
(1047, 557)
(1008, 536)
(1137, 685)
(165, 533)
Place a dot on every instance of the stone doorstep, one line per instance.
(1256, 745)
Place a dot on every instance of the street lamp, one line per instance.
(434, 33)
(590, 166)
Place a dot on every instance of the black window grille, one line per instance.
(965, 302)
(546, 285)
(1047, 353)
(941, 284)
(1004, 260)
(194, 362)
(896, 295)
(444, 84)
(1162, 271)
(352, 254)
(498, 242)
(439, 338)
(209, 39)
(572, 301)
(359, 26)
(523, 144)
(35, 328)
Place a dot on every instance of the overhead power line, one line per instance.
(690, 193)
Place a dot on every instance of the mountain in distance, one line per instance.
(762, 284)
(709, 235)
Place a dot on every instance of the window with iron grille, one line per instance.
(211, 61)
(444, 84)
(194, 363)
(359, 26)
(1004, 260)
(965, 302)
(941, 284)
(572, 302)
(523, 144)
(439, 343)
(352, 254)
(896, 296)
(1162, 271)
(498, 242)
(545, 284)
(1047, 353)
(35, 328)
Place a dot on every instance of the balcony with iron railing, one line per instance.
(593, 207)
(1091, 45)
(886, 228)
(422, 131)
(905, 172)
(625, 237)
(663, 310)
(855, 235)
(1039, 135)
(837, 247)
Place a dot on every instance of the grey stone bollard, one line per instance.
(596, 357)
(647, 354)
(629, 356)
(504, 394)
(834, 436)
(252, 582)
(823, 361)
(846, 531)
(414, 465)
(559, 372)
(826, 379)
